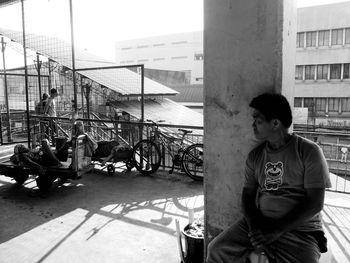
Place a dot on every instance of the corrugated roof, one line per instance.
(163, 109)
(188, 93)
(122, 80)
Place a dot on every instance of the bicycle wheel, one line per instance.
(192, 161)
(146, 156)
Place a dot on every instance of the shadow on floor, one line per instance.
(97, 210)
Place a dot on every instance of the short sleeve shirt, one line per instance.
(51, 110)
(283, 175)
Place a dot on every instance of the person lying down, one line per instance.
(38, 159)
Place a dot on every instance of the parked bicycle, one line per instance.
(184, 154)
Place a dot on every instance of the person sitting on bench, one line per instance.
(38, 159)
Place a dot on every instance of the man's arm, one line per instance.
(250, 211)
(254, 218)
(47, 105)
(312, 205)
(272, 229)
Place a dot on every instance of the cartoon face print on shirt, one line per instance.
(273, 175)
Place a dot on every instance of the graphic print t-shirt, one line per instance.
(283, 175)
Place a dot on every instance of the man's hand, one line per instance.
(258, 238)
(261, 241)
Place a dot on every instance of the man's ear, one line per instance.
(276, 123)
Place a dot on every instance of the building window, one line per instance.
(198, 56)
(335, 71)
(180, 57)
(179, 42)
(346, 73)
(299, 72)
(333, 104)
(159, 45)
(322, 71)
(309, 103)
(321, 104)
(347, 35)
(309, 72)
(323, 38)
(297, 102)
(311, 39)
(126, 61)
(300, 39)
(337, 36)
(345, 104)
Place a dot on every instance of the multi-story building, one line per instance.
(322, 76)
(177, 52)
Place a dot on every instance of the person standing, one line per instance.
(283, 193)
(50, 107)
(344, 154)
(50, 110)
(39, 109)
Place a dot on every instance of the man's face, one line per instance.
(80, 129)
(263, 129)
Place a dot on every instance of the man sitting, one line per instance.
(283, 193)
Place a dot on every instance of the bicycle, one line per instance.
(147, 154)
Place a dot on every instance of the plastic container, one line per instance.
(193, 250)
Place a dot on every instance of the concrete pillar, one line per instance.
(249, 48)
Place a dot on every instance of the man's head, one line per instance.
(79, 128)
(53, 92)
(20, 148)
(272, 113)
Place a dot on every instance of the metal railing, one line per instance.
(336, 149)
(125, 132)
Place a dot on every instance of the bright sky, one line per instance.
(132, 19)
(103, 22)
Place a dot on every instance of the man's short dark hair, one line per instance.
(273, 106)
(53, 91)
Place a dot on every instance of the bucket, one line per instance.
(194, 246)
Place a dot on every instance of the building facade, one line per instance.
(176, 52)
(322, 77)
(322, 72)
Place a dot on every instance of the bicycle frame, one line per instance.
(169, 143)
(149, 153)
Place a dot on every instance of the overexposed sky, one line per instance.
(133, 19)
(101, 23)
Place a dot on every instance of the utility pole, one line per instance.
(8, 121)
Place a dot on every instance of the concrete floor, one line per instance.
(123, 218)
(336, 221)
